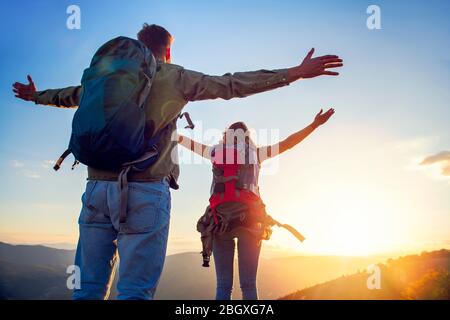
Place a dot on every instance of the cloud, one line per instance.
(20, 166)
(48, 164)
(442, 159)
(17, 164)
(446, 170)
(416, 144)
(30, 174)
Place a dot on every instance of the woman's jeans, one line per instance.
(249, 248)
(141, 243)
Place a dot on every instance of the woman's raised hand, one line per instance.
(321, 117)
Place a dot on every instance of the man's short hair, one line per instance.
(155, 37)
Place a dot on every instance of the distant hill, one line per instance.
(36, 255)
(38, 272)
(424, 276)
(184, 278)
(19, 282)
(33, 272)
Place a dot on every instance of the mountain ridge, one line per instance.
(23, 266)
(423, 276)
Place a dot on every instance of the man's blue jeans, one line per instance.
(249, 248)
(141, 243)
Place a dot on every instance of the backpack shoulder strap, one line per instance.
(60, 160)
(140, 164)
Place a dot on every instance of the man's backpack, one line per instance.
(110, 130)
(109, 127)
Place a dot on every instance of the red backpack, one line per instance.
(228, 168)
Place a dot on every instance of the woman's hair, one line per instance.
(239, 125)
(241, 128)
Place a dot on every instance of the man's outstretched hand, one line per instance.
(314, 67)
(321, 117)
(26, 92)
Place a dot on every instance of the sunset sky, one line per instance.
(374, 179)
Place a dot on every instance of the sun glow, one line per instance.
(346, 215)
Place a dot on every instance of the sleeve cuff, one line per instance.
(277, 79)
(36, 97)
(284, 77)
